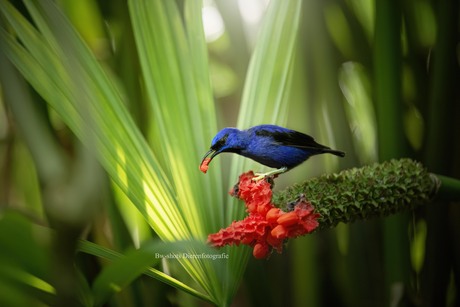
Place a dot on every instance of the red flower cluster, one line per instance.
(266, 227)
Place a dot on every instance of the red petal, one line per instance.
(260, 250)
(275, 242)
(272, 215)
(310, 224)
(279, 232)
(288, 219)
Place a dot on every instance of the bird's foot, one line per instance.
(260, 176)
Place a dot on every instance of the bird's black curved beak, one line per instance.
(207, 159)
(210, 154)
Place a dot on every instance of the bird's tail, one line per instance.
(334, 152)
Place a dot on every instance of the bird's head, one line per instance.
(226, 140)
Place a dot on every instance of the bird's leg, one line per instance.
(261, 176)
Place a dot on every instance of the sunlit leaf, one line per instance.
(85, 95)
(265, 92)
(165, 185)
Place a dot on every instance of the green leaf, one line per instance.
(24, 273)
(161, 178)
(265, 96)
(269, 75)
(125, 268)
(176, 80)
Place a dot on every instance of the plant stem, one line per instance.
(449, 188)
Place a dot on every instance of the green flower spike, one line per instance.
(377, 190)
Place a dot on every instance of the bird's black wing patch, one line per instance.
(294, 139)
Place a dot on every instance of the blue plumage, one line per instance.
(270, 145)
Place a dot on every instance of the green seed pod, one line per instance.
(377, 190)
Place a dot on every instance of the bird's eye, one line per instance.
(221, 142)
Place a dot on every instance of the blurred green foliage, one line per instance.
(377, 79)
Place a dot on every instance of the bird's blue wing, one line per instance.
(287, 137)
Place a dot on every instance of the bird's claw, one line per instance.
(260, 176)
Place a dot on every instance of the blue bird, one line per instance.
(270, 145)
